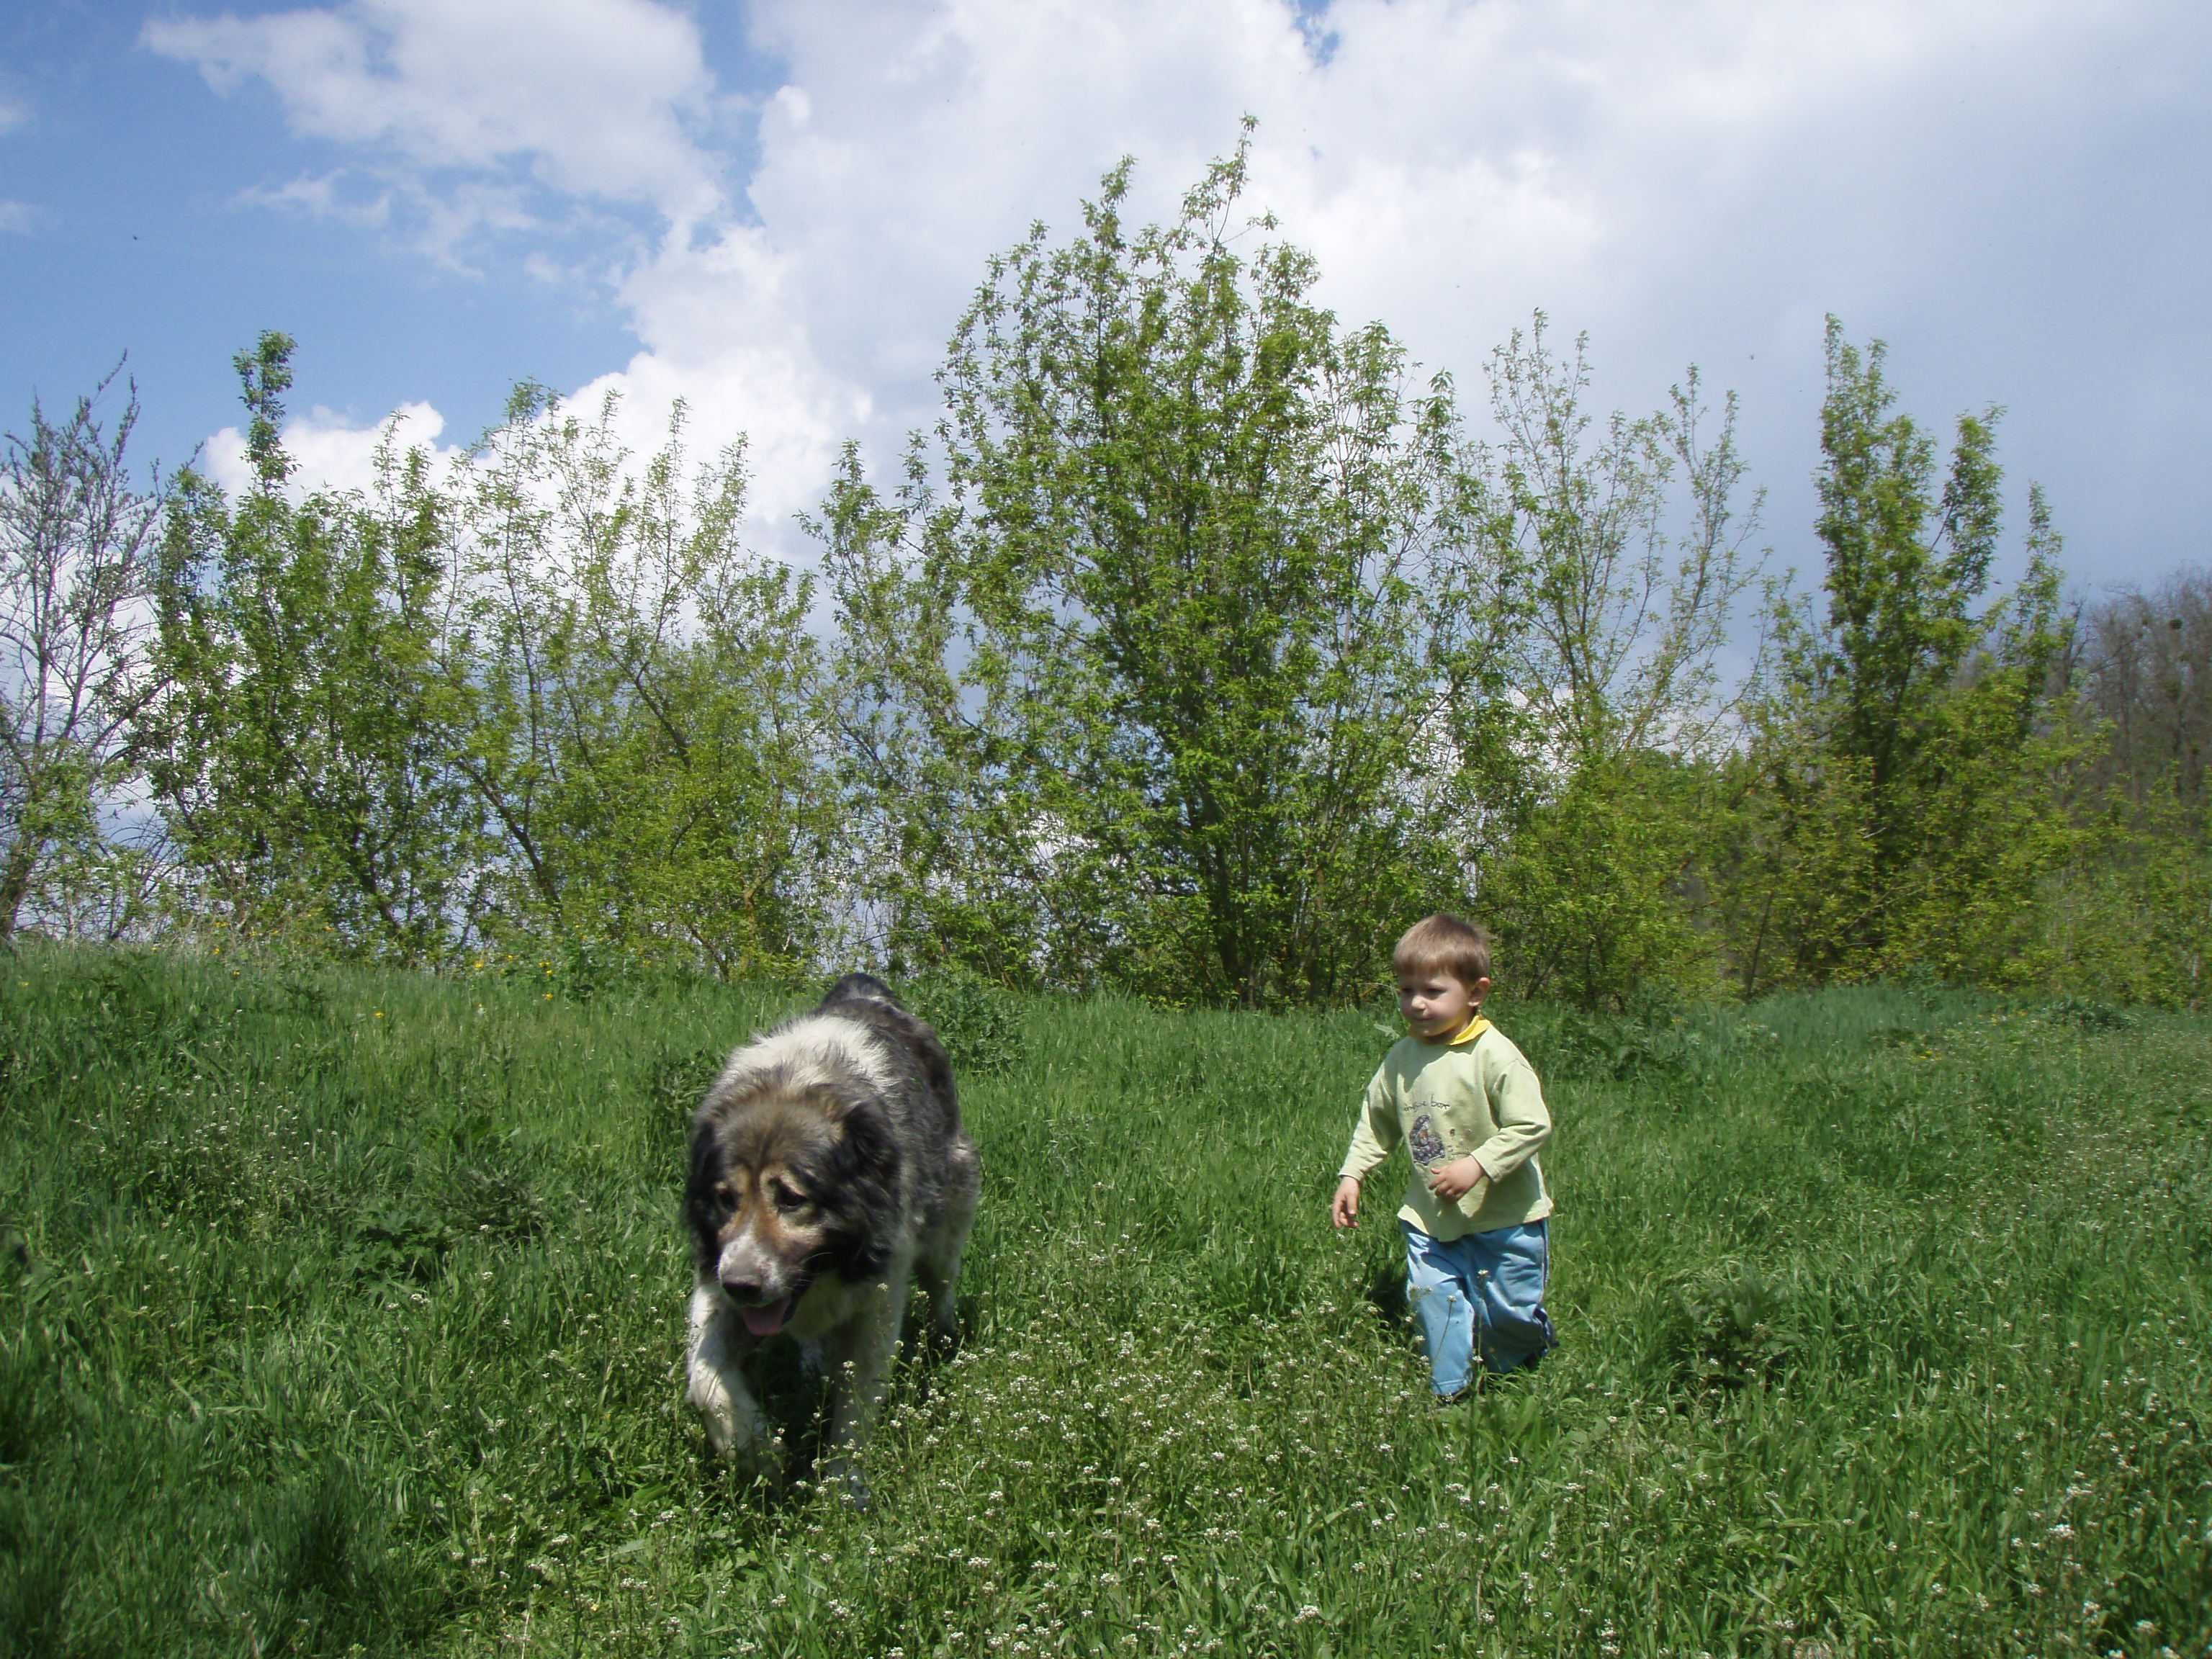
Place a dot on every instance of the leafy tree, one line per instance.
(76, 556)
(548, 697)
(1189, 628)
(955, 872)
(1636, 554)
(1904, 809)
(1635, 550)
(646, 727)
(2129, 919)
(298, 750)
(2131, 915)
(1592, 893)
(2146, 668)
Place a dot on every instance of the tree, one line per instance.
(1636, 554)
(77, 556)
(2147, 674)
(646, 726)
(1903, 806)
(1625, 613)
(298, 751)
(546, 698)
(1188, 627)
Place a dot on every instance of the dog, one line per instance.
(829, 1170)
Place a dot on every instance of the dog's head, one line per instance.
(787, 1184)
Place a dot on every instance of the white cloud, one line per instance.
(593, 96)
(15, 218)
(1696, 181)
(14, 112)
(331, 452)
(325, 196)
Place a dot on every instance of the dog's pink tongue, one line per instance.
(767, 1321)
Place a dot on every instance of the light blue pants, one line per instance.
(1480, 1297)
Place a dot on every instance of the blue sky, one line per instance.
(776, 211)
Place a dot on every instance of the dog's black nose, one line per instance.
(745, 1292)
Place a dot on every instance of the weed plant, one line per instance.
(340, 1313)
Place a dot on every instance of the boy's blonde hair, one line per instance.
(1443, 943)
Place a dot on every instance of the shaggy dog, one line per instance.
(828, 1169)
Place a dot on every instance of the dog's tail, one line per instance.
(861, 987)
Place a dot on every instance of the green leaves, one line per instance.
(311, 692)
(546, 699)
(1904, 811)
(647, 728)
(1194, 650)
(77, 543)
(1195, 574)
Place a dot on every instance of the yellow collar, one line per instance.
(1468, 1033)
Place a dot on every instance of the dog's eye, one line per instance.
(786, 1197)
(724, 1194)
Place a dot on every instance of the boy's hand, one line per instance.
(1344, 1210)
(1456, 1179)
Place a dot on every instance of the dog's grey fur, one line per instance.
(828, 1169)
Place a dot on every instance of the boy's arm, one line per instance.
(1516, 1107)
(1373, 1133)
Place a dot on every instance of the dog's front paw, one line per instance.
(734, 1425)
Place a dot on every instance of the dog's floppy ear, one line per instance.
(699, 1207)
(863, 1191)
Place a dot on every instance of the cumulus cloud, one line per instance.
(724, 326)
(331, 451)
(590, 97)
(1700, 181)
(1453, 166)
(1692, 183)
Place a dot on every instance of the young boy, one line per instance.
(1471, 1113)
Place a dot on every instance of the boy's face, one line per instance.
(1435, 1004)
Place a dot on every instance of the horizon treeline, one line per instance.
(1200, 645)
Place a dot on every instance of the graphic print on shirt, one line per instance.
(1427, 1145)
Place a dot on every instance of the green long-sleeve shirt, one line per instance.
(1477, 1095)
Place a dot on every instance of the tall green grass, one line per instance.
(341, 1313)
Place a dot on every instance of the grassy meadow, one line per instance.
(341, 1313)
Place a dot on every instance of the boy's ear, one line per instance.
(1480, 987)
